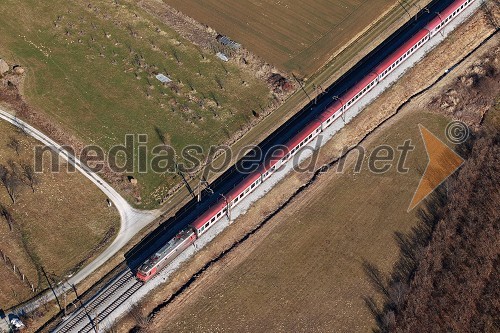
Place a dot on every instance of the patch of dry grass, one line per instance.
(298, 36)
(58, 226)
(306, 275)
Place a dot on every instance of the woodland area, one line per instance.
(448, 275)
(447, 278)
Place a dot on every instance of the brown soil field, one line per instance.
(64, 223)
(302, 270)
(297, 36)
(306, 274)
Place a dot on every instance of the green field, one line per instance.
(90, 67)
(294, 35)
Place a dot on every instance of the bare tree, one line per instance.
(160, 134)
(30, 175)
(13, 186)
(11, 182)
(15, 144)
(219, 82)
(13, 166)
(3, 173)
(8, 216)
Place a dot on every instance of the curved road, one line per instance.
(131, 219)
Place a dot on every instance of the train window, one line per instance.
(225, 209)
(241, 195)
(236, 200)
(206, 225)
(212, 220)
(253, 185)
(248, 189)
(219, 214)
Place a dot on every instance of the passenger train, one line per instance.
(199, 226)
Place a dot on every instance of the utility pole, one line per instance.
(228, 211)
(342, 115)
(51, 288)
(302, 87)
(207, 187)
(65, 302)
(96, 325)
(407, 12)
(89, 315)
(180, 173)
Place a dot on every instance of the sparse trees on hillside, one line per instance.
(6, 214)
(30, 175)
(15, 144)
(11, 181)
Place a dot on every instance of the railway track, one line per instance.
(120, 289)
(112, 296)
(116, 303)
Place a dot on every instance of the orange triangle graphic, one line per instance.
(443, 162)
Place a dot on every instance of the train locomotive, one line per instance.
(201, 224)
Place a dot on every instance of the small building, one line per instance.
(163, 78)
(226, 41)
(222, 56)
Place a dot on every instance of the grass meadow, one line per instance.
(91, 66)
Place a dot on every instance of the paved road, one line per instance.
(131, 220)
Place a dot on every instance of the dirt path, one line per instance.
(132, 220)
